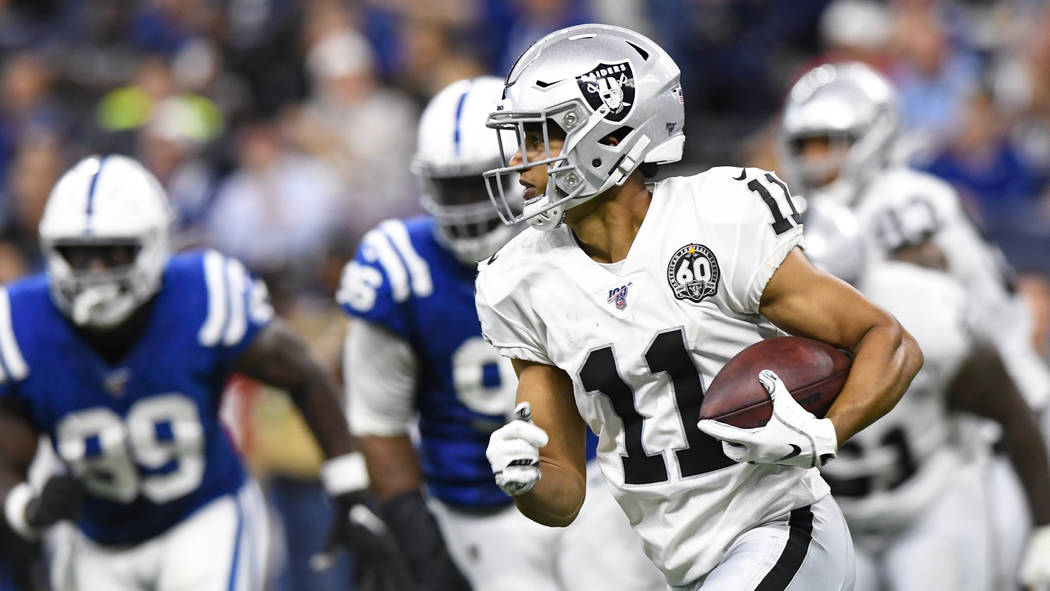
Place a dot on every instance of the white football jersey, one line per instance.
(902, 205)
(640, 338)
(891, 471)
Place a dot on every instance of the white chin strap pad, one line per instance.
(547, 220)
(102, 306)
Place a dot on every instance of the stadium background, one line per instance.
(284, 129)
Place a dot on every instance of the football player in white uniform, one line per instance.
(837, 135)
(623, 299)
(836, 141)
(119, 353)
(419, 351)
(910, 486)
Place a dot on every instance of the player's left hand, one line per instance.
(61, 499)
(378, 563)
(514, 452)
(793, 436)
(1035, 566)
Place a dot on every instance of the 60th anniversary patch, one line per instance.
(692, 273)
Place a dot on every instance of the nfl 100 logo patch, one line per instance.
(618, 296)
(693, 273)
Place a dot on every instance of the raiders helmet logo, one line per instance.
(611, 85)
(693, 273)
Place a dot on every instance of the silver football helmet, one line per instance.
(853, 108)
(835, 243)
(107, 210)
(454, 149)
(592, 81)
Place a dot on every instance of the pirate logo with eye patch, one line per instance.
(611, 86)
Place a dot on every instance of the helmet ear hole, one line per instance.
(617, 136)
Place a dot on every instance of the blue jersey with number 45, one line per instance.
(143, 434)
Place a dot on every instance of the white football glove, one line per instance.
(514, 452)
(1035, 566)
(793, 436)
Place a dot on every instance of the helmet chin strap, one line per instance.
(547, 220)
(102, 306)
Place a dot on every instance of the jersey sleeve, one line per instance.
(380, 371)
(753, 223)
(509, 325)
(382, 277)
(238, 306)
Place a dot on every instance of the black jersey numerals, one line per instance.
(781, 222)
(667, 353)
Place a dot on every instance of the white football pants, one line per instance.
(808, 549)
(507, 551)
(220, 547)
(947, 548)
(1011, 521)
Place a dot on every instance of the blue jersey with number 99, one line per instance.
(143, 434)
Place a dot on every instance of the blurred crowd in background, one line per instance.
(284, 129)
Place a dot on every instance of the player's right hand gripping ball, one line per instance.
(514, 452)
(792, 437)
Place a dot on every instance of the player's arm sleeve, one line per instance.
(508, 324)
(238, 306)
(754, 224)
(380, 373)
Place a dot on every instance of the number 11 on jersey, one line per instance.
(667, 353)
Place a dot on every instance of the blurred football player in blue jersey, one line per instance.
(414, 348)
(119, 353)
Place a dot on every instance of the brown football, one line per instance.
(814, 373)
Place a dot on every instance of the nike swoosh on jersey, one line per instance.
(743, 175)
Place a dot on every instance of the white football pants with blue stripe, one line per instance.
(220, 547)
